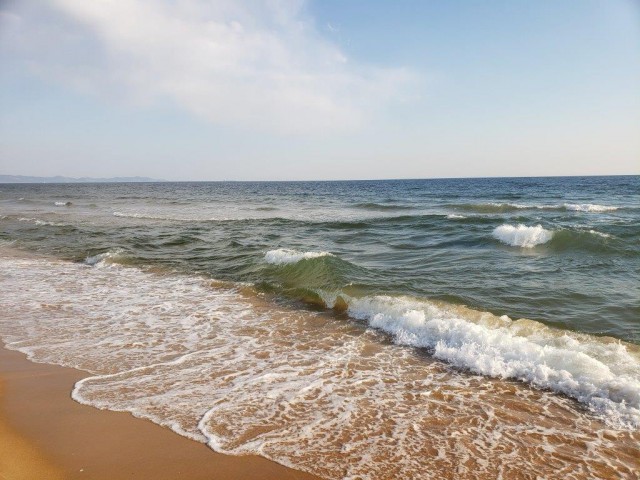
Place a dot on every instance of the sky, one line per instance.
(319, 89)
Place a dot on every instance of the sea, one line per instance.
(401, 329)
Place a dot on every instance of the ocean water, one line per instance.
(470, 328)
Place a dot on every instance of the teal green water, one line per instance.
(480, 328)
(574, 262)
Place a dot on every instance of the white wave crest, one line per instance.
(41, 223)
(172, 218)
(104, 259)
(522, 235)
(149, 216)
(605, 376)
(589, 207)
(455, 216)
(62, 204)
(284, 256)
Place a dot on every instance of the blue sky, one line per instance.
(332, 89)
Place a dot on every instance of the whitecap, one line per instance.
(522, 235)
(589, 207)
(284, 256)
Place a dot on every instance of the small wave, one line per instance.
(283, 256)
(490, 207)
(106, 258)
(599, 234)
(522, 235)
(454, 216)
(588, 240)
(169, 218)
(598, 373)
(382, 207)
(142, 215)
(147, 216)
(589, 207)
(41, 223)
(495, 207)
(63, 204)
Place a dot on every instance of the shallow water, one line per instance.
(400, 329)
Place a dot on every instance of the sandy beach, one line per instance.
(45, 434)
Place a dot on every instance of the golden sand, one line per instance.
(46, 435)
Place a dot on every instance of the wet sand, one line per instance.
(45, 434)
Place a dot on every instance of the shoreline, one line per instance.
(46, 434)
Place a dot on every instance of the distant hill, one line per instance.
(59, 179)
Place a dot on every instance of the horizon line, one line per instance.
(150, 180)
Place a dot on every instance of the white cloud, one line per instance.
(253, 63)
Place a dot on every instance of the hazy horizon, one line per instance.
(288, 90)
(144, 179)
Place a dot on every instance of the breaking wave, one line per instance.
(522, 235)
(284, 256)
(106, 258)
(603, 374)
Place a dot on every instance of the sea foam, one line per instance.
(522, 235)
